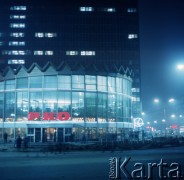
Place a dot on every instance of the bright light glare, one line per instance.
(156, 100)
(180, 66)
(173, 116)
(171, 100)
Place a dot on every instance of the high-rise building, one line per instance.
(95, 35)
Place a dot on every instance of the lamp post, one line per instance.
(164, 122)
(157, 101)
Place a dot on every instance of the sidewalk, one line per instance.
(10, 147)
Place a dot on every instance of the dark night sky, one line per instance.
(162, 48)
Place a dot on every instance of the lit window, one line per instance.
(131, 10)
(14, 52)
(16, 61)
(50, 35)
(17, 25)
(72, 53)
(17, 34)
(87, 53)
(136, 99)
(135, 90)
(82, 9)
(17, 17)
(83, 53)
(22, 52)
(39, 35)
(90, 82)
(18, 8)
(38, 52)
(132, 36)
(109, 9)
(49, 53)
(86, 9)
(22, 43)
(16, 43)
(13, 43)
(22, 17)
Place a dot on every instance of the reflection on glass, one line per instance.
(78, 104)
(111, 84)
(102, 107)
(91, 107)
(22, 106)
(9, 106)
(102, 83)
(64, 82)
(92, 97)
(50, 81)
(1, 86)
(1, 106)
(49, 101)
(35, 82)
(64, 101)
(90, 82)
(35, 102)
(10, 84)
(22, 83)
(120, 108)
(119, 85)
(112, 107)
(77, 82)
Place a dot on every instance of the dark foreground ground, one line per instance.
(85, 165)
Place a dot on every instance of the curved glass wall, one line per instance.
(88, 98)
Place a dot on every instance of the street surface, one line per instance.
(79, 165)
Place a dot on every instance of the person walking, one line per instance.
(25, 142)
(19, 141)
(5, 137)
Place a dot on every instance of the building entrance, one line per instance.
(49, 134)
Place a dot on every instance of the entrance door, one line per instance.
(49, 134)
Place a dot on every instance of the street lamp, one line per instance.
(164, 122)
(156, 100)
(180, 67)
(170, 101)
(173, 115)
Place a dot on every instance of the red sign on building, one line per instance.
(62, 116)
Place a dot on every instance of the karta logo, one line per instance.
(62, 116)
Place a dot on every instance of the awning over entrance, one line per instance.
(64, 124)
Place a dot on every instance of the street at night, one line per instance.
(91, 90)
(81, 165)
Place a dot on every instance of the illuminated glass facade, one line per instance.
(92, 48)
(98, 104)
(97, 32)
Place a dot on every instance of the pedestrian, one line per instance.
(25, 142)
(5, 137)
(19, 141)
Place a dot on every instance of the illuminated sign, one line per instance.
(62, 116)
(174, 126)
(138, 122)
